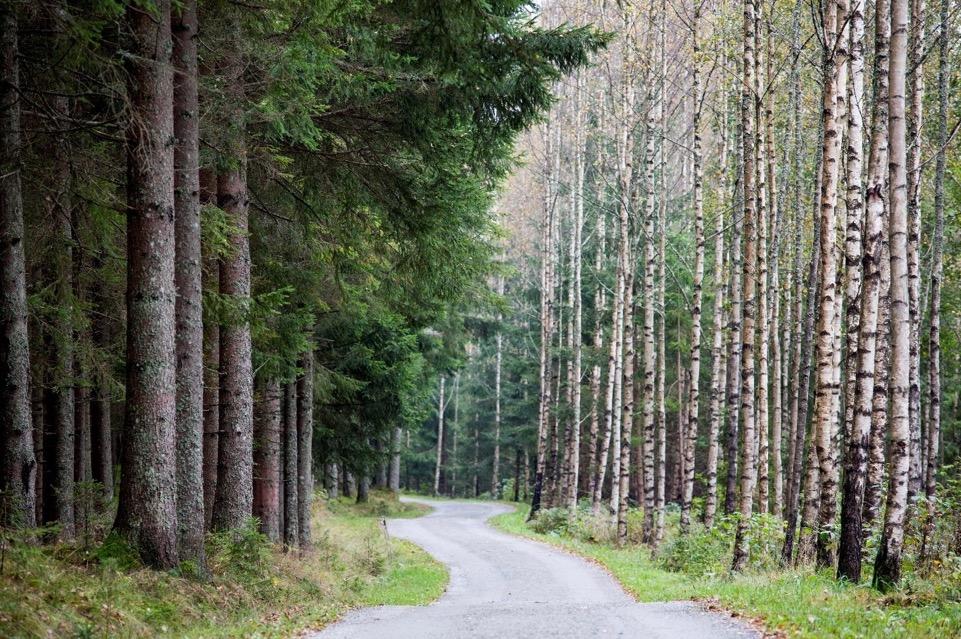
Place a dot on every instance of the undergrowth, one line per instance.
(251, 587)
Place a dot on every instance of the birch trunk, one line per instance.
(914, 105)
(651, 502)
(877, 205)
(887, 567)
(694, 398)
(749, 279)
(862, 374)
(825, 404)
(546, 319)
(438, 457)
(937, 273)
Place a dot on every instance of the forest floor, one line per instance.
(253, 589)
(787, 603)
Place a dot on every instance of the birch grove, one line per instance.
(759, 231)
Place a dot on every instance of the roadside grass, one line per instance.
(794, 603)
(254, 589)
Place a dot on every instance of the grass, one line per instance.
(793, 603)
(254, 589)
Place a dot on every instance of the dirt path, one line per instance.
(503, 586)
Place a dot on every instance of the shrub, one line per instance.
(707, 552)
(552, 521)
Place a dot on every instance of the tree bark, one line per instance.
(937, 274)
(148, 498)
(393, 475)
(694, 399)
(61, 392)
(211, 364)
(305, 439)
(267, 454)
(547, 330)
(440, 436)
(234, 498)
(914, 105)
(887, 566)
(188, 279)
(749, 309)
(291, 522)
(859, 430)
(18, 464)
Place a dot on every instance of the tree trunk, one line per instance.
(914, 105)
(694, 399)
(652, 501)
(61, 467)
(234, 497)
(363, 489)
(267, 454)
(499, 341)
(937, 274)
(18, 464)
(596, 437)
(547, 331)
(850, 548)
(393, 481)
(305, 439)
(211, 364)
(761, 206)
(887, 567)
(291, 521)
(440, 436)
(574, 447)
(148, 497)
(749, 308)
(734, 346)
(824, 403)
(188, 278)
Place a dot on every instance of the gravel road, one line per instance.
(503, 586)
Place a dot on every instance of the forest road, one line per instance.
(503, 586)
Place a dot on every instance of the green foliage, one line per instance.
(243, 552)
(251, 589)
(706, 552)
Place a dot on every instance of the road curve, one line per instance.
(503, 586)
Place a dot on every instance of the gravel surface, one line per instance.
(502, 586)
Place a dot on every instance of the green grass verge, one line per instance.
(796, 603)
(254, 589)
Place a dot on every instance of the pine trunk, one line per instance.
(18, 464)
(291, 523)
(267, 454)
(305, 434)
(211, 364)
(234, 498)
(188, 279)
(148, 496)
